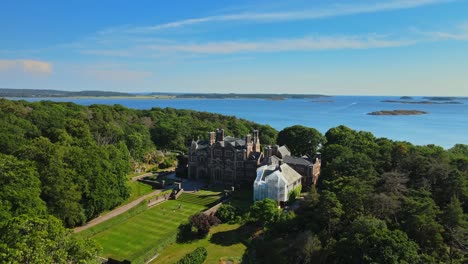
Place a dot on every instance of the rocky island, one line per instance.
(419, 102)
(398, 112)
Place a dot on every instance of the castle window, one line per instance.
(217, 175)
(217, 153)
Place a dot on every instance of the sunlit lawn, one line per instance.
(139, 231)
(142, 232)
(205, 198)
(225, 242)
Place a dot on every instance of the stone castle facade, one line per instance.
(224, 159)
(234, 161)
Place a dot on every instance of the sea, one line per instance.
(444, 125)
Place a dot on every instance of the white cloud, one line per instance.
(281, 45)
(461, 34)
(30, 66)
(334, 11)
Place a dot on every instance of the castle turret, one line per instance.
(193, 146)
(212, 137)
(219, 134)
(256, 141)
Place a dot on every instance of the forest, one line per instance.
(377, 200)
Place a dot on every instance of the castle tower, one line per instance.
(212, 137)
(248, 144)
(193, 146)
(256, 141)
(219, 134)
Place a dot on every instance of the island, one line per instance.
(419, 102)
(38, 93)
(398, 112)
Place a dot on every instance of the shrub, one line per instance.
(294, 194)
(203, 223)
(197, 256)
(226, 213)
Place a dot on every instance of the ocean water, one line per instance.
(445, 125)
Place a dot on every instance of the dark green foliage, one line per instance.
(377, 201)
(292, 195)
(264, 212)
(226, 213)
(197, 256)
(301, 140)
(368, 240)
(455, 224)
(305, 249)
(83, 154)
(30, 239)
(72, 161)
(172, 129)
(19, 188)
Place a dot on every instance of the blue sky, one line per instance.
(386, 47)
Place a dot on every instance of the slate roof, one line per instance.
(289, 173)
(284, 151)
(296, 160)
(235, 142)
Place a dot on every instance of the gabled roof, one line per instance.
(289, 174)
(284, 151)
(296, 160)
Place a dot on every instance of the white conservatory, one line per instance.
(275, 182)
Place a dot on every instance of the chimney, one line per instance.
(248, 139)
(318, 156)
(212, 137)
(219, 134)
(256, 141)
(274, 150)
(268, 151)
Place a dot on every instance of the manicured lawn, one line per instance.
(205, 198)
(225, 242)
(133, 237)
(137, 189)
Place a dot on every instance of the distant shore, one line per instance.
(398, 112)
(419, 102)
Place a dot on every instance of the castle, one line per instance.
(226, 160)
(234, 161)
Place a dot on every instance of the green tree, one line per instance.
(19, 188)
(301, 140)
(368, 240)
(264, 212)
(306, 248)
(456, 235)
(419, 220)
(32, 239)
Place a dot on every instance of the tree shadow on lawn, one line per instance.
(231, 237)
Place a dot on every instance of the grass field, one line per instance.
(137, 189)
(141, 232)
(225, 242)
(204, 198)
